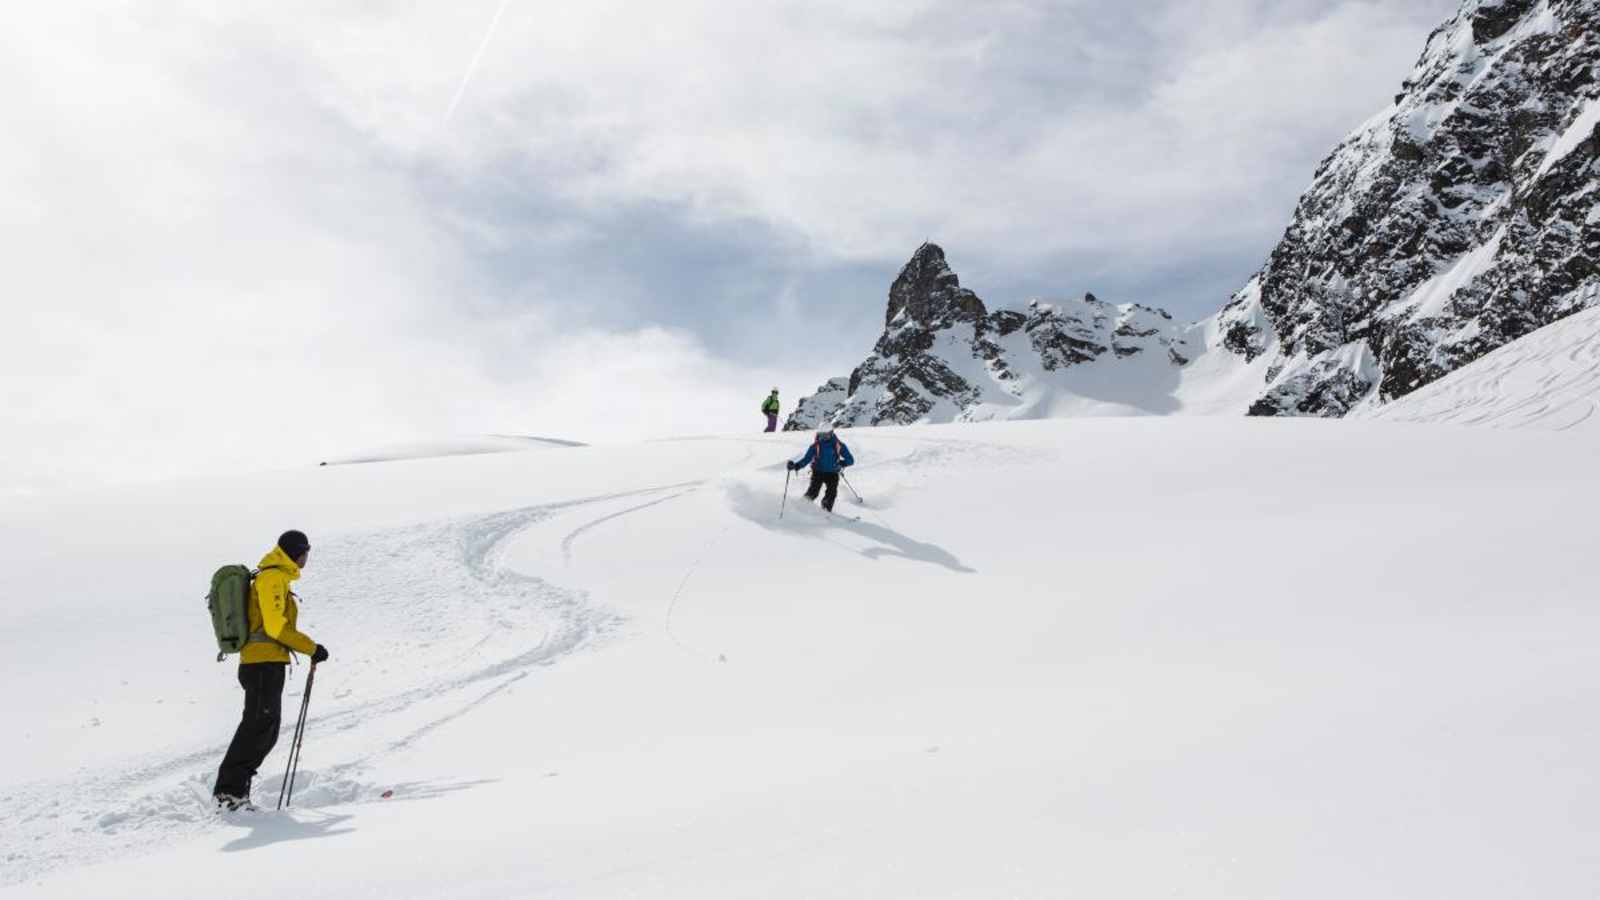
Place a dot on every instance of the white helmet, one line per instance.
(826, 430)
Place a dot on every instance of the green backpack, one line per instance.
(229, 602)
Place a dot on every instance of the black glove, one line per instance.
(791, 465)
(321, 655)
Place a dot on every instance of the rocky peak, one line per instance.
(928, 293)
(944, 356)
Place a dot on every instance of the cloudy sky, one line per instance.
(252, 234)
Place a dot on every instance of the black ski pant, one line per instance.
(258, 729)
(820, 480)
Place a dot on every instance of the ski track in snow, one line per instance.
(803, 515)
(573, 535)
(450, 628)
(1548, 380)
(445, 628)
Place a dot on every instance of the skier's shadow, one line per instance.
(267, 830)
(803, 518)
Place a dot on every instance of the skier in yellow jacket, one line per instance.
(262, 667)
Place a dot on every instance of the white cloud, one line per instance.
(258, 211)
(950, 118)
(207, 270)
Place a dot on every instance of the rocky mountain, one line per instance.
(1460, 218)
(1457, 220)
(945, 356)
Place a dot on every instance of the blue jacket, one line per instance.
(827, 456)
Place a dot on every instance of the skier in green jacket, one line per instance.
(770, 407)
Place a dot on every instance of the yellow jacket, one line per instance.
(273, 612)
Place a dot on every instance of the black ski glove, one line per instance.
(321, 655)
(791, 465)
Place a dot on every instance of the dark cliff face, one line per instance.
(1457, 221)
(929, 293)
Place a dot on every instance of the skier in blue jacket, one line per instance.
(827, 456)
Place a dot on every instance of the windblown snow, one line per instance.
(1211, 658)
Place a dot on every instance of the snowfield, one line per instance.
(456, 446)
(1209, 658)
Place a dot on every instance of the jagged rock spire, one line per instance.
(930, 293)
(943, 355)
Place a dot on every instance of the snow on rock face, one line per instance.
(930, 295)
(1454, 223)
(1458, 220)
(1547, 381)
(816, 408)
(944, 356)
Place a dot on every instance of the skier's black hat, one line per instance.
(294, 544)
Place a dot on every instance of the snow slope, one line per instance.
(1548, 380)
(1098, 658)
(459, 446)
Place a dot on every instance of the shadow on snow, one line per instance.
(268, 828)
(807, 520)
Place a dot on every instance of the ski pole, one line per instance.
(286, 791)
(852, 488)
(294, 742)
(299, 740)
(788, 473)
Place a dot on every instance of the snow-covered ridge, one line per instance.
(1457, 220)
(944, 356)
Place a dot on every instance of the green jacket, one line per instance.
(770, 405)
